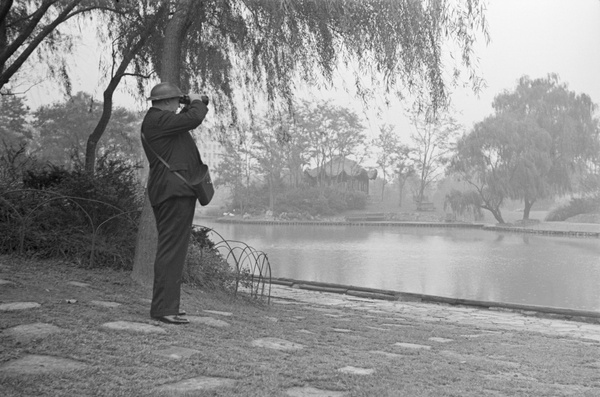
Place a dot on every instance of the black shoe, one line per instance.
(174, 319)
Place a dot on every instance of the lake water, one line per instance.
(458, 263)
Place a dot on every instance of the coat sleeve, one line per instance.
(171, 123)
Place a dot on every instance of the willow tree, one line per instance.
(503, 157)
(570, 120)
(540, 138)
(244, 52)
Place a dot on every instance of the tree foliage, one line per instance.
(388, 153)
(566, 116)
(240, 50)
(14, 127)
(432, 145)
(503, 158)
(275, 150)
(540, 135)
(330, 131)
(63, 129)
(269, 139)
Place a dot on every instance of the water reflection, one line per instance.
(469, 264)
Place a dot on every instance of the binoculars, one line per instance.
(185, 100)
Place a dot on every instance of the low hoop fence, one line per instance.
(252, 267)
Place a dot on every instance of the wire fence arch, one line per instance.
(252, 267)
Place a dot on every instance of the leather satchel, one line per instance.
(202, 185)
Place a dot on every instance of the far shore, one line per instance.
(572, 229)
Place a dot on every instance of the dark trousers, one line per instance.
(174, 219)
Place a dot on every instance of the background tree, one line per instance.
(14, 128)
(433, 141)
(295, 152)
(63, 130)
(332, 131)
(541, 137)
(268, 143)
(566, 116)
(503, 157)
(234, 170)
(388, 145)
(404, 169)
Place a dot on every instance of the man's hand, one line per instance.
(203, 98)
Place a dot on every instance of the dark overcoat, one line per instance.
(169, 135)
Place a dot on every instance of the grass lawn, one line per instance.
(477, 361)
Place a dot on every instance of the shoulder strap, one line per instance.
(163, 160)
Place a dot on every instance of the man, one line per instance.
(166, 133)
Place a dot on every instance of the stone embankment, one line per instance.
(544, 228)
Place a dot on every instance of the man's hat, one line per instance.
(164, 91)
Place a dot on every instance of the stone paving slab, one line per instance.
(134, 327)
(308, 391)
(211, 322)
(342, 330)
(177, 352)
(27, 332)
(356, 370)
(39, 364)
(414, 346)
(78, 284)
(13, 306)
(226, 314)
(387, 354)
(106, 304)
(440, 340)
(277, 344)
(200, 383)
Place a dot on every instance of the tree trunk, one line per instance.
(94, 138)
(401, 183)
(145, 250)
(383, 183)
(143, 262)
(271, 193)
(4, 9)
(496, 213)
(134, 48)
(527, 209)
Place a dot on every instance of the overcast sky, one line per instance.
(528, 37)
(534, 38)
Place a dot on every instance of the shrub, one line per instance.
(315, 201)
(205, 267)
(576, 206)
(12, 163)
(251, 199)
(71, 214)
